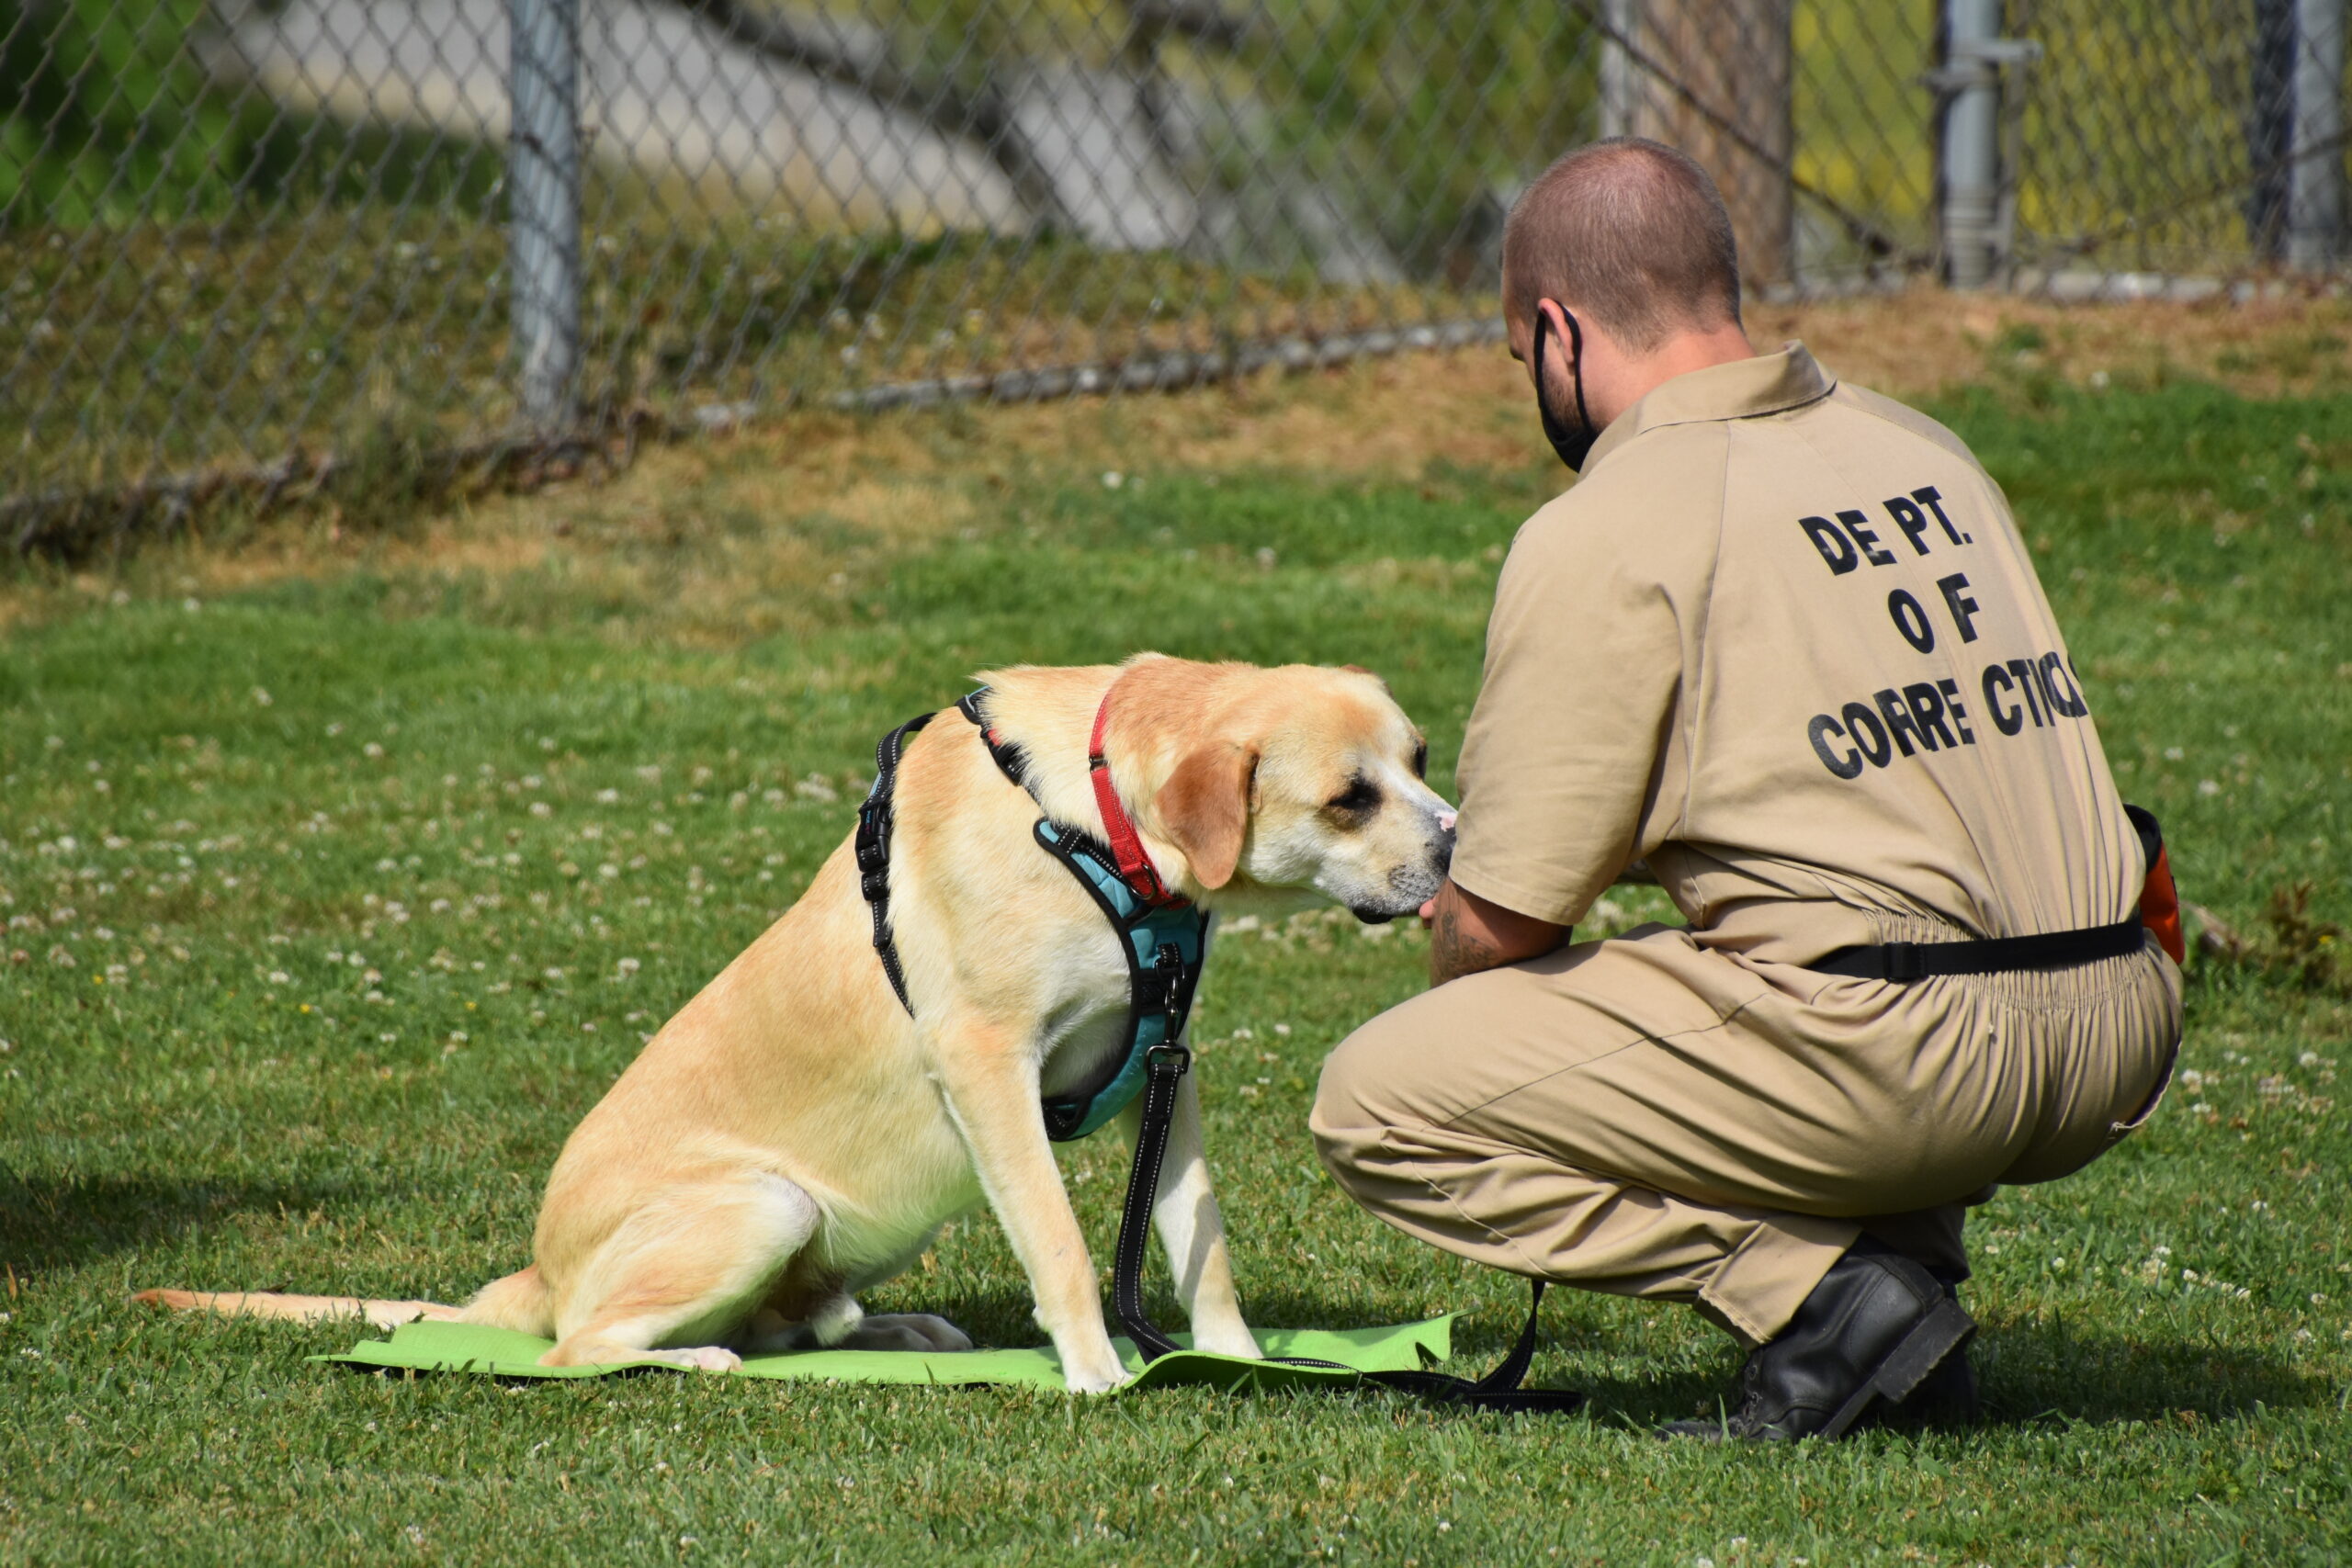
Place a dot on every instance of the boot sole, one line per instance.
(1945, 1329)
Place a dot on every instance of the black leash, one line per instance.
(1498, 1390)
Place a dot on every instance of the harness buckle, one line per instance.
(1168, 1059)
(1905, 960)
(1167, 969)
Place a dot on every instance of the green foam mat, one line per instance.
(498, 1352)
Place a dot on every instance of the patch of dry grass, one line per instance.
(736, 535)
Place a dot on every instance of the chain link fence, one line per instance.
(254, 247)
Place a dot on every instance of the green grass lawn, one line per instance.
(332, 903)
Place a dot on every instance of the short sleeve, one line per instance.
(1566, 757)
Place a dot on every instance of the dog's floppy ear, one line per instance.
(1205, 809)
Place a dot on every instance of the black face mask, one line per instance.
(1573, 444)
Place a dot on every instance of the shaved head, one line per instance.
(1631, 235)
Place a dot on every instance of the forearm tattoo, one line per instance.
(1454, 952)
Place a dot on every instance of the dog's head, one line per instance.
(1303, 778)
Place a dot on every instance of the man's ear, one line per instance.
(1204, 809)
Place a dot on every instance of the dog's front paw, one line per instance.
(1095, 1371)
(1100, 1382)
(1228, 1339)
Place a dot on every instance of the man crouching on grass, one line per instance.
(1782, 641)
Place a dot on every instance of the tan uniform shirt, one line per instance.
(1783, 640)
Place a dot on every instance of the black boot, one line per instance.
(1875, 1327)
(1946, 1397)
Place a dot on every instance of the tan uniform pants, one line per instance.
(1652, 1118)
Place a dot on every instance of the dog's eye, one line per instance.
(1358, 799)
(1421, 759)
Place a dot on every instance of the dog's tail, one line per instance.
(299, 1309)
(519, 1301)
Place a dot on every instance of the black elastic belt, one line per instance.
(1992, 955)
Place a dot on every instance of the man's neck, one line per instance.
(1678, 356)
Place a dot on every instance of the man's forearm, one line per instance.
(1468, 934)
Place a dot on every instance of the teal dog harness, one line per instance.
(1165, 947)
(1164, 938)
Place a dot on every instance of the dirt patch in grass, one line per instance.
(719, 527)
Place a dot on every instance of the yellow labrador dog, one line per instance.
(794, 1135)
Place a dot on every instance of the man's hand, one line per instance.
(1468, 934)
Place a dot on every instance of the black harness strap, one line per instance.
(1498, 1390)
(1991, 956)
(872, 849)
(1007, 755)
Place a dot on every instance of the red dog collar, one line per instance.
(1127, 845)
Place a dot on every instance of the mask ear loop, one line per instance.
(1576, 368)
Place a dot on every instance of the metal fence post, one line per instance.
(1971, 146)
(2315, 185)
(1621, 80)
(1714, 78)
(543, 197)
